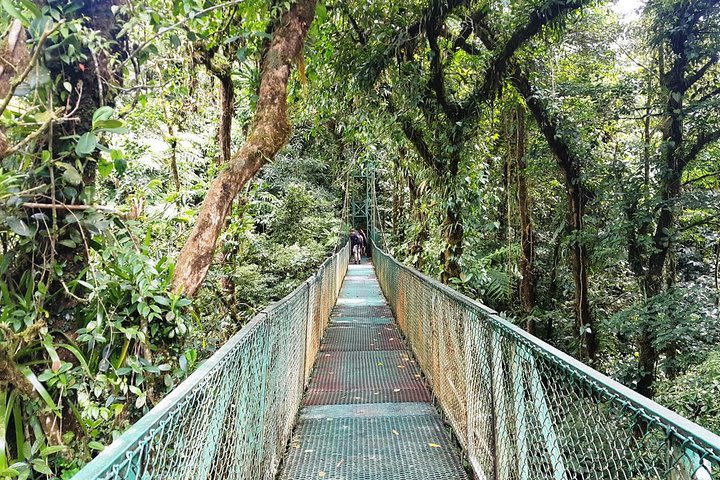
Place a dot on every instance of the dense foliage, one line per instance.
(557, 160)
(91, 333)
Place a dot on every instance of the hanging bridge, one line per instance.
(376, 371)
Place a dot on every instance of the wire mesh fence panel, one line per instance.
(232, 418)
(522, 409)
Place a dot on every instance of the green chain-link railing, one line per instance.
(232, 418)
(523, 410)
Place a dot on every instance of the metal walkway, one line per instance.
(367, 411)
(518, 408)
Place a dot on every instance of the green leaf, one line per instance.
(95, 445)
(32, 8)
(68, 243)
(86, 144)
(70, 175)
(50, 348)
(80, 357)
(102, 113)
(19, 227)
(52, 449)
(14, 12)
(9, 472)
(41, 466)
(108, 125)
(41, 390)
(160, 300)
(105, 167)
(120, 165)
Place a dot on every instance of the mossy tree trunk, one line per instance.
(269, 133)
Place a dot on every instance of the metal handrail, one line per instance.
(129, 446)
(686, 433)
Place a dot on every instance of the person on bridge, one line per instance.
(355, 245)
(364, 246)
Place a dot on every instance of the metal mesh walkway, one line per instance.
(366, 412)
(518, 408)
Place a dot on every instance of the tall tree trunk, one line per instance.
(503, 234)
(419, 217)
(173, 160)
(270, 132)
(227, 110)
(174, 118)
(647, 352)
(578, 195)
(90, 83)
(670, 187)
(647, 134)
(553, 286)
(584, 322)
(452, 227)
(453, 235)
(527, 236)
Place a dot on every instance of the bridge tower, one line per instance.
(362, 195)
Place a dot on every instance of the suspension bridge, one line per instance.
(375, 371)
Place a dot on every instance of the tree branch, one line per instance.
(29, 138)
(500, 62)
(701, 177)
(549, 127)
(362, 38)
(270, 132)
(405, 38)
(703, 140)
(697, 223)
(437, 76)
(63, 206)
(689, 82)
(415, 137)
(177, 24)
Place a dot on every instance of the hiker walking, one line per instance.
(365, 243)
(355, 245)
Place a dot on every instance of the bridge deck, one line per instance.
(367, 412)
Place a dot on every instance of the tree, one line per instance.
(270, 131)
(687, 58)
(578, 195)
(447, 117)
